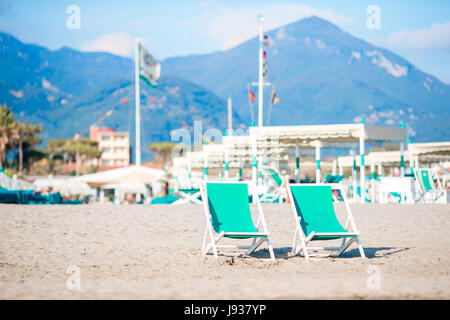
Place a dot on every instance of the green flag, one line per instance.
(149, 67)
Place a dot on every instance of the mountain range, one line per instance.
(320, 73)
(323, 75)
(67, 91)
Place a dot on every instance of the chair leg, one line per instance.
(204, 239)
(254, 246)
(294, 243)
(269, 244)
(303, 247)
(296, 249)
(344, 246)
(361, 249)
(305, 252)
(212, 244)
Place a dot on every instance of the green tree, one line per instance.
(163, 151)
(24, 135)
(86, 147)
(7, 123)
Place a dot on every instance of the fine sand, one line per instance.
(153, 252)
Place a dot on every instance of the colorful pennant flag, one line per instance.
(267, 41)
(265, 67)
(274, 97)
(149, 67)
(251, 95)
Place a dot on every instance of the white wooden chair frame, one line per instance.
(210, 242)
(279, 193)
(299, 236)
(436, 193)
(187, 198)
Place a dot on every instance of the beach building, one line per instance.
(114, 145)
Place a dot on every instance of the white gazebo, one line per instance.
(334, 134)
(120, 177)
(429, 152)
(67, 185)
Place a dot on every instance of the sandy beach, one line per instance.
(153, 252)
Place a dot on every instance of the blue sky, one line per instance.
(417, 30)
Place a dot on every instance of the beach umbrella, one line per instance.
(128, 185)
(142, 174)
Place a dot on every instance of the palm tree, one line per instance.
(164, 151)
(6, 131)
(25, 133)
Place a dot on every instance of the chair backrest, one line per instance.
(229, 207)
(274, 175)
(314, 205)
(425, 178)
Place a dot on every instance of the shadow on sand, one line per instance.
(371, 253)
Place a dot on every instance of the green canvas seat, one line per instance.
(329, 178)
(228, 215)
(170, 198)
(315, 218)
(30, 197)
(10, 196)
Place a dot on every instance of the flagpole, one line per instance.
(260, 79)
(230, 118)
(138, 105)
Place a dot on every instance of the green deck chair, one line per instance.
(227, 211)
(333, 179)
(315, 219)
(278, 194)
(425, 179)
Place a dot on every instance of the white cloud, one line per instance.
(230, 27)
(435, 37)
(119, 43)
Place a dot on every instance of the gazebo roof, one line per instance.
(435, 148)
(329, 133)
(143, 174)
